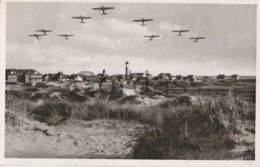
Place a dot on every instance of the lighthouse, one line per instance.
(126, 69)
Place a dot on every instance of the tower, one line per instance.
(126, 69)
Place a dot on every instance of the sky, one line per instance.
(108, 41)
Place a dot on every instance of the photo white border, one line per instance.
(114, 162)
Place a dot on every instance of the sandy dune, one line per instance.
(72, 139)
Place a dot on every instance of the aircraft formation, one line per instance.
(103, 12)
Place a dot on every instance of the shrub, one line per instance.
(53, 113)
(209, 124)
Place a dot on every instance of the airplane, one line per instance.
(66, 35)
(103, 8)
(81, 18)
(151, 36)
(37, 36)
(44, 31)
(197, 38)
(142, 20)
(180, 31)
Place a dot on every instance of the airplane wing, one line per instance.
(201, 37)
(39, 35)
(84, 17)
(63, 35)
(48, 30)
(156, 36)
(148, 19)
(148, 36)
(185, 30)
(31, 35)
(76, 17)
(193, 38)
(137, 21)
(69, 35)
(175, 31)
(97, 8)
(108, 8)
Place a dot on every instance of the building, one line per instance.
(78, 78)
(11, 75)
(60, 77)
(221, 76)
(234, 77)
(23, 76)
(47, 77)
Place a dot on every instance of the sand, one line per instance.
(72, 139)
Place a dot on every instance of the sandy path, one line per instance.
(73, 139)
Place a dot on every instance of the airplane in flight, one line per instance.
(151, 36)
(44, 31)
(142, 20)
(81, 18)
(66, 36)
(103, 8)
(37, 36)
(180, 31)
(197, 38)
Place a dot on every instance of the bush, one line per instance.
(210, 124)
(53, 113)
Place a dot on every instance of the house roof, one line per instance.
(22, 71)
(59, 75)
(78, 78)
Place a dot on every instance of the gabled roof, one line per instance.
(59, 75)
(78, 78)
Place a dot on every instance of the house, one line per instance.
(234, 77)
(23, 75)
(221, 76)
(33, 76)
(78, 78)
(47, 77)
(11, 75)
(60, 77)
